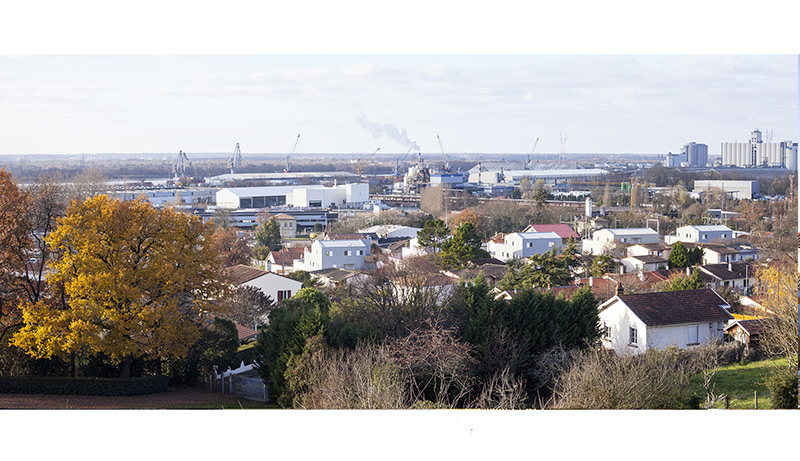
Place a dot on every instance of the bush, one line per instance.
(782, 386)
(83, 386)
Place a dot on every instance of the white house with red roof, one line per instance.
(563, 231)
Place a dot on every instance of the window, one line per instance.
(329, 253)
(348, 252)
(693, 335)
(360, 252)
(284, 294)
(530, 244)
(606, 331)
(633, 335)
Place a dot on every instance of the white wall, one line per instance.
(620, 319)
(678, 335)
(270, 284)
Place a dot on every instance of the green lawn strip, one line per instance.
(740, 382)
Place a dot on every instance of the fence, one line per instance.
(243, 382)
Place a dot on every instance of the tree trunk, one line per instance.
(125, 369)
(72, 364)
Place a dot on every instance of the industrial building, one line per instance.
(757, 153)
(692, 155)
(738, 190)
(347, 195)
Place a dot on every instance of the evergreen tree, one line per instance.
(462, 247)
(294, 320)
(679, 256)
(693, 282)
(433, 234)
(268, 238)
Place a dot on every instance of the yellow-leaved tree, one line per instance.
(131, 281)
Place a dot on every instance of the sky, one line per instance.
(338, 103)
(355, 76)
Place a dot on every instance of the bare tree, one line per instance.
(437, 363)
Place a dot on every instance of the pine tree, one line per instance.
(679, 256)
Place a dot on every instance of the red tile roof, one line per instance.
(240, 273)
(563, 230)
(287, 255)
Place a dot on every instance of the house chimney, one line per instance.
(620, 290)
(591, 281)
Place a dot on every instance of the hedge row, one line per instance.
(83, 386)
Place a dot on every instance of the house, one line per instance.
(492, 273)
(643, 263)
(700, 234)
(716, 254)
(737, 276)
(747, 332)
(634, 323)
(650, 249)
(341, 254)
(603, 240)
(271, 284)
(287, 225)
(518, 245)
(391, 230)
(283, 261)
(563, 231)
(334, 277)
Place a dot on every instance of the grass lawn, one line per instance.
(740, 382)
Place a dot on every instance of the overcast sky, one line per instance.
(88, 77)
(347, 104)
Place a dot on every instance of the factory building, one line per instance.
(347, 195)
(756, 152)
(737, 189)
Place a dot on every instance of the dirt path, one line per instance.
(174, 398)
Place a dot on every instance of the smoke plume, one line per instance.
(387, 129)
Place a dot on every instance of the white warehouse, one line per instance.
(293, 196)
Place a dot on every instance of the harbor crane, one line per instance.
(358, 165)
(294, 148)
(236, 159)
(179, 169)
(533, 151)
(446, 157)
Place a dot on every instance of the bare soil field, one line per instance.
(174, 398)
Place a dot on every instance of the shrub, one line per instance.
(782, 386)
(84, 386)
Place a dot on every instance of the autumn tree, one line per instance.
(14, 239)
(776, 284)
(132, 282)
(232, 249)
